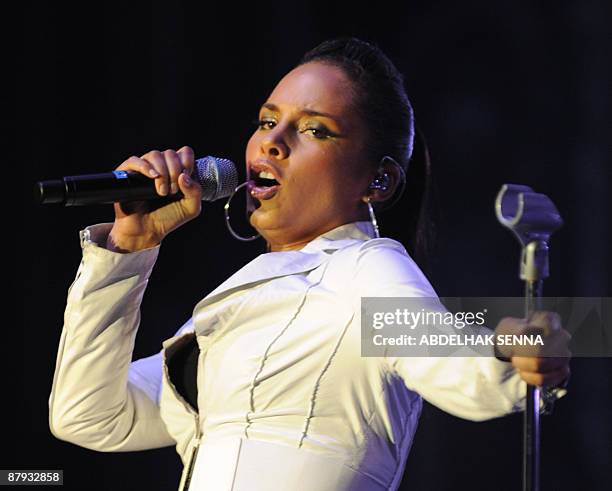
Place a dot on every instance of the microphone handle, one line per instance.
(107, 187)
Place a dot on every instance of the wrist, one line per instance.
(501, 352)
(123, 243)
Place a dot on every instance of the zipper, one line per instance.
(190, 465)
(192, 459)
(186, 477)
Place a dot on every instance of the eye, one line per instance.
(264, 124)
(318, 132)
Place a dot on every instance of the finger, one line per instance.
(158, 162)
(174, 169)
(546, 379)
(549, 322)
(192, 202)
(553, 346)
(540, 346)
(557, 345)
(137, 164)
(507, 326)
(187, 158)
(538, 364)
(510, 325)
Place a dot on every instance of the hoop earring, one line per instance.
(373, 218)
(227, 217)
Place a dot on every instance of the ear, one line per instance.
(384, 183)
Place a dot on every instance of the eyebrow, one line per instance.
(310, 112)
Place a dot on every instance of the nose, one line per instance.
(274, 146)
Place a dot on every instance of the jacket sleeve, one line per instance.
(474, 388)
(100, 399)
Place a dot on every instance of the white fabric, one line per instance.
(282, 388)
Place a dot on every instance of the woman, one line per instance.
(264, 387)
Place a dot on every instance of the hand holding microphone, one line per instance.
(153, 194)
(141, 225)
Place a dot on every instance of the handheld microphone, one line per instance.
(218, 178)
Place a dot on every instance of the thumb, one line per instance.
(192, 202)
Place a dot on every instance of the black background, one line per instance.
(505, 91)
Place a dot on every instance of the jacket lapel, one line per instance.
(265, 267)
(276, 264)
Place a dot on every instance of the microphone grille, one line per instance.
(218, 177)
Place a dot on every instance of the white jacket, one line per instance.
(285, 399)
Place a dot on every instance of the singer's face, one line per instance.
(310, 139)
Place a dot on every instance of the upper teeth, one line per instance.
(266, 175)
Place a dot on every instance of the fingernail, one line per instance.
(153, 173)
(173, 188)
(163, 189)
(187, 180)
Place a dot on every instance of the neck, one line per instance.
(284, 245)
(283, 240)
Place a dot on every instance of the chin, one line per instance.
(266, 221)
(260, 220)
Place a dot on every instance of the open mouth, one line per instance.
(263, 185)
(265, 179)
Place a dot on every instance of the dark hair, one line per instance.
(382, 102)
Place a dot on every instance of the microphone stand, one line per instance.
(532, 217)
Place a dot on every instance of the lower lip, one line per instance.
(261, 193)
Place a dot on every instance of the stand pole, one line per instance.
(531, 417)
(532, 218)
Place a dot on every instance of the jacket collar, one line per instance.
(276, 264)
(340, 237)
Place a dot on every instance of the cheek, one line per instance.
(326, 181)
(252, 146)
(349, 174)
